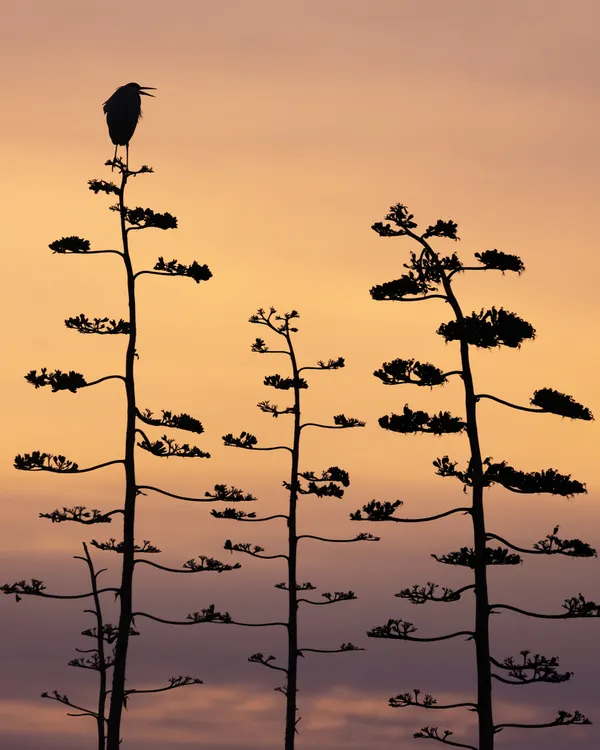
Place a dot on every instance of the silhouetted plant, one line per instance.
(117, 636)
(430, 276)
(330, 482)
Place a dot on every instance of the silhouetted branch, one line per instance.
(222, 493)
(80, 514)
(549, 401)
(432, 733)
(341, 650)
(378, 511)
(421, 594)
(266, 662)
(273, 409)
(563, 719)
(337, 596)
(37, 588)
(412, 699)
(466, 556)
(209, 615)
(405, 371)
(56, 696)
(249, 442)
(419, 421)
(536, 668)
(119, 547)
(174, 682)
(545, 481)
(488, 329)
(168, 419)
(240, 515)
(145, 218)
(576, 607)
(248, 549)
(331, 364)
(194, 271)
(206, 565)
(64, 381)
(358, 538)
(100, 326)
(38, 461)
(479, 396)
(553, 545)
(340, 422)
(402, 629)
(167, 447)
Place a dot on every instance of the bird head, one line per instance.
(142, 89)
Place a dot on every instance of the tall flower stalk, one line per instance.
(113, 641)
(329, 483)
(430, 277)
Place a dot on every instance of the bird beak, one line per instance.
(145, 92)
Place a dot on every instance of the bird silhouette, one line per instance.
(123, 110)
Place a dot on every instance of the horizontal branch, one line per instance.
(412, 699)
(258, 520)
(19, 591)
(192, 621)
(417, 299)
(564, 718)
(324, 426)
(569, 615)
(357, 517)
(177, 497)
(358, 538)
(212, 566)
(344, 647)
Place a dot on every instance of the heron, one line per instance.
(123, 110)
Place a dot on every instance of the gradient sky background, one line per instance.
(280, 132)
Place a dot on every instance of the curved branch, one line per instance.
(359, 538)
(179, 570)
(177, 497)
(479, 396)
(538, 615)
(563, 719)
(200, 622)
(324, 426)
(329, 650)
(428, 518)
(468, 633)
(106, 377)
(154, 273)
(57, 596)
(258, 520)
(97, 252)
(98, 466)
(254, 448)
(514, 546)
(418, 299)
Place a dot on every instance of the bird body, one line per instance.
(123, 110)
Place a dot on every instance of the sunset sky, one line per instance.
(279, 133)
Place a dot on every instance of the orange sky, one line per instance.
(280, 132)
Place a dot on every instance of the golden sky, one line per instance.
(279, 133)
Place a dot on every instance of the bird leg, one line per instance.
(114, 160)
